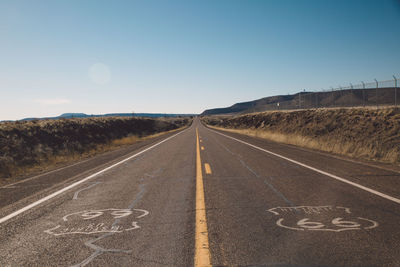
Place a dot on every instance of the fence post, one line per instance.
(363, 93)
(395, 91)
(300, 100)
(352, 94)
(341, 93)
(376, 94)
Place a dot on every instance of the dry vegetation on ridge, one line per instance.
(359, 132)
(26, 146)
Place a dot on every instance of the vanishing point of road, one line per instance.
(201, 197)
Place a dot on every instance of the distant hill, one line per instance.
(73, 115)
(250, 105)
(83, 115)
(342, 98)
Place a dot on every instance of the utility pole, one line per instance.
(363, 93)
(376, 93)
(395, 91)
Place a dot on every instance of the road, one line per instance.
(202, 197)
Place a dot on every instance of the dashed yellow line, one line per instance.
(207, 168)
(202, 252)
(202, 148)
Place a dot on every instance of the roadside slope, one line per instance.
(360, 133)
(26, 146)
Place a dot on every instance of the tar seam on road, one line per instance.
(202, 252)
(40, 201)
(396, 200)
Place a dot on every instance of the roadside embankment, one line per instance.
(360, 132)
(31, 146)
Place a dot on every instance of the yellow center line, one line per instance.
(202, 252)
(207, 167)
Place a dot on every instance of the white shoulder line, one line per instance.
(34, 204)
(315, 169)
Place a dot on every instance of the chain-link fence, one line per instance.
(374, 94)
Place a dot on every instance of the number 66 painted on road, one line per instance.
(343, 225)
(337, 222)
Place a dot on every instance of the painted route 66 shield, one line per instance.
(320, 218)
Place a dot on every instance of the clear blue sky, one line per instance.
(185, 56)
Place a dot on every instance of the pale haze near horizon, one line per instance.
(99, 57)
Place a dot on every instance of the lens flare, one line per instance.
(100, 73)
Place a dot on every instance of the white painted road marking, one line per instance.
(320, 218)
(305, 224)
(98, 221)
(86, 188)
(42, 174)
(40, 201)
(396, 200)
(307, 210)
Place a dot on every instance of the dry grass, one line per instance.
(35, 146)
(358, 133)
(126, 140)
(134, 138)
(332, 146)
(57, 161)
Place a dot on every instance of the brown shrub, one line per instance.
(26, 144)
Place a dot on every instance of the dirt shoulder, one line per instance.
(357, 133)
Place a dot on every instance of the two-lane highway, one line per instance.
(204, 197)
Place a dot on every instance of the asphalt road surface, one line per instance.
(202, 197)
